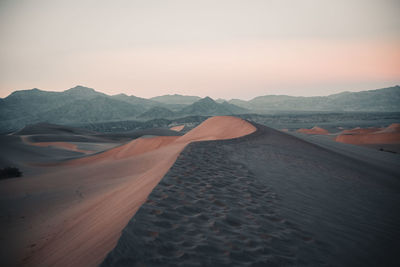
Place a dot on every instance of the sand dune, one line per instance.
(394, 127)
(369, 136)
(63, 145)
(48, 128)
(359, 130)
(75, 210)
(268, 199)
(16, 152)
(314, 130)
(222, 127)
(177, 128)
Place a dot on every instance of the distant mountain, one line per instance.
(207, 106)
(220, 100)
(157, 113)
(81, 92)
(146, 104)
(78, 104)
(386, 99)
(85, 105)
(240, 103)
(139, 102)
(26, 104)
(96, 109)
(176, 99)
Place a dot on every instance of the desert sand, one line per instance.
(371, 136)
(62, 145)
(177, 128)
(268, 199)
(359, 130)
(73, 212)
(248, 195)
(314, 130)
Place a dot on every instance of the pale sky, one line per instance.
(227, 48)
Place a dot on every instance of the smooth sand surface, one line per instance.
(177, 128)
(314, 130)
(371, 136)
(73, 213)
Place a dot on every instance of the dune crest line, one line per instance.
(97, 195)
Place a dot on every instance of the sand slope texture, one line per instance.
(72, 213)
(268, 199)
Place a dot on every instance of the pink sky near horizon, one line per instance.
(242, 58)
(224, 70)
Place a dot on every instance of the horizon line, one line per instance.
(214, 98)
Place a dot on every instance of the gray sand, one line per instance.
(268, 199)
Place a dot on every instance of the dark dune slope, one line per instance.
(14, 152)
(267, 199)
(48, 128)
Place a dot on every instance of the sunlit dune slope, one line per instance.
(76, 209)
(389, 135)
(223, 127)
(177, 128)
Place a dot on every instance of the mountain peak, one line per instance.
(82, 91)
(176, 99)
(33, 90)
(24, 93)
(80, 88)
(207, 99)
(121, 95)
(207, 106)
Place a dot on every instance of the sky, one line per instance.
(223, 49)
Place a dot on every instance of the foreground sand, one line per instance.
(269, 199)
(73, 213)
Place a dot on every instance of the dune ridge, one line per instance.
(371, 136)
(177, 128)
(267, 199)
(78, 208)
(314, 130)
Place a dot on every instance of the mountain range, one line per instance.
(85, 105)
(381, 100)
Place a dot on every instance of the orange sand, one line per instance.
(90, 200)
(177, 128)
(389, 135)
(314, 130)
(359, 130)
(392, 128)
(62, 145)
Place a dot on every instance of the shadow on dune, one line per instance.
(266, 199)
